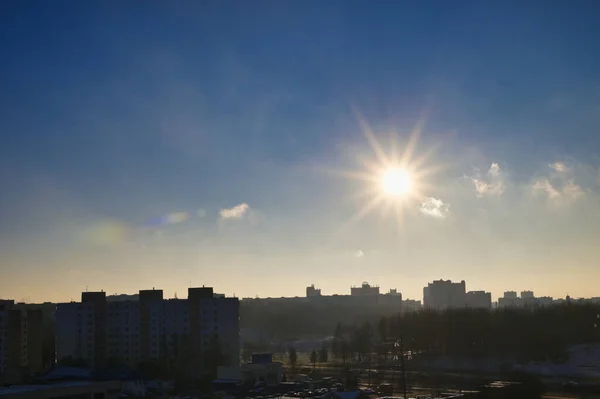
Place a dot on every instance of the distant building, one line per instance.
(444, 294)
(527, 295)
(311, 291)
(510, 295)
(390, 298)
(544, 301)
(364, 290)
(364, 297)
(411, 305)
(20, 342)
(149, 329)
(478, 300)
(509, 300)
(526, 300)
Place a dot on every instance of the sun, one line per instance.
(395, 177)
(396, 182)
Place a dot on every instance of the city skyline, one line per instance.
(222, 145)
(120, 296)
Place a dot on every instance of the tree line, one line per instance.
(536, 334)
(288, 320)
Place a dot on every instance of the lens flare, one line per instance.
(107, 233)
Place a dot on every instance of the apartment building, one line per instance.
(150, 329)
(444, 294)
(20, 342)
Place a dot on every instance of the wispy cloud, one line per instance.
(490, 185)
(236, 212)
(568, 191)
(572, 190)
(543, 186)
(359, 254)
(435, 207)
(559, 167)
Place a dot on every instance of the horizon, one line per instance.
(176, 295)
(218, 143)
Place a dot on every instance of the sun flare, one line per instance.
(395, 176)
(396, 182)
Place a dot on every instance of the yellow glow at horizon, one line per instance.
(396, 182)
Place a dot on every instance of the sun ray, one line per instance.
(367, 208)
(373, 143)
(355, 175)
(412, 142)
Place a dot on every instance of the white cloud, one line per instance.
(237, 212)
(359, 254)
(435, 207)
(494, 170)
(568, 191)
(493, 185)
(559, 167)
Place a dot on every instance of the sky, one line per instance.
(176, 144)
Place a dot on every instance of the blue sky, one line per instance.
(114, 115)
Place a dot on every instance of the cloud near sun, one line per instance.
(236, 212)
(558, 185)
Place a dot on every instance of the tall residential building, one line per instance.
(20, 342)
(444, 294)
(150, 329)
(45, 336)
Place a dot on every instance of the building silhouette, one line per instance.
(150, 329)
(478, 300)
(20, 342)
(311, 291)
(444, 294)
(364, 290)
